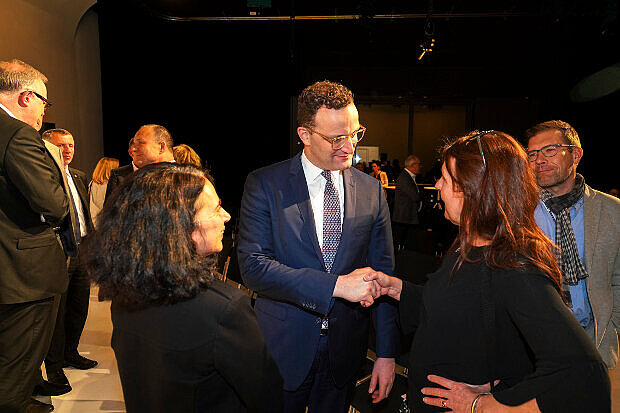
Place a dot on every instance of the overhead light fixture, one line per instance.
(429, 36)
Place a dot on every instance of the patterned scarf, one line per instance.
(568, 254)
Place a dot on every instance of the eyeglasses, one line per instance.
(548, 151)
(339, 141)
(477, 138)
(47, 103)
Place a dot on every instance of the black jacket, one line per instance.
(201, 355)
(32, 261)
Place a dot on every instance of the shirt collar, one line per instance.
(410, 173)
(312, 171)
(7, 111)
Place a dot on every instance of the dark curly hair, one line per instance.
(142, 253)
(329, 94)
(499, 198)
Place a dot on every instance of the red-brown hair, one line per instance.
(499, 198)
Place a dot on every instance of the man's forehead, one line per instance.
(143, 134)
(544, 138)
(55, 136)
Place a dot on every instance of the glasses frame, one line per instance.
(557, 146)
(47, 104)
(477, 137)
(341, 138)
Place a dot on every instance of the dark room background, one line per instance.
(222, 76)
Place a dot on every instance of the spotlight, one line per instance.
(429, 37)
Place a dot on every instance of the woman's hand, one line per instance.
(456, 396)
(384, 284)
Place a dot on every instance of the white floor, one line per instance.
(99, 389)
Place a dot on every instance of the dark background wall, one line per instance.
(227, 88)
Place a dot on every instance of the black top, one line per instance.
(201, 355)
(540, 350)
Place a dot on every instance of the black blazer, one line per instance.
(81, 184)
(201, 355)
(116, 177)
(31, 257)
(406, 200)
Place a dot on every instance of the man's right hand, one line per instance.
(353, 287)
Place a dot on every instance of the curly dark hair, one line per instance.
(329, 94)
(499, 198)
(142, 253)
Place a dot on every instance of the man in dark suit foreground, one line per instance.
(33, 203)
(73, 307)
(305, 223)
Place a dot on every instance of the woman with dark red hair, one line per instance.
(493, 315)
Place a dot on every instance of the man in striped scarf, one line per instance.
(585, 225)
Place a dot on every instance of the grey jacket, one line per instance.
(602, 260)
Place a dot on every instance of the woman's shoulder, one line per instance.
(521, 280)
(222, 294)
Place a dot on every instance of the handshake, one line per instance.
(364, 285)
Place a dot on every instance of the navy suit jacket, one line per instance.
(280, 258)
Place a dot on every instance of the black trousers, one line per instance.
(25, 334)
(318, 391)
(72, 313)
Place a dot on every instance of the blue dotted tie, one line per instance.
(332, 227)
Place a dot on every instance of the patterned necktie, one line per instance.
(332, 227)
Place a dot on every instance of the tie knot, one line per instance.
(327, 175)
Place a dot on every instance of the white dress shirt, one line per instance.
(316, 189)
(78, 202)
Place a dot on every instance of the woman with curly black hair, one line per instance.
(184, 340)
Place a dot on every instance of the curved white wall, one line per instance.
(59, 39)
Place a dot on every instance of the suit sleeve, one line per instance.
(410, 306)
(30, 169)
(112, 184)
(242, 358)
(381, 258)
(569, 374)
(262, 272)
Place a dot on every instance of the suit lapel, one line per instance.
(301, 196)
(591, 206)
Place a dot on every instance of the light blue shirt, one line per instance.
(579, 294)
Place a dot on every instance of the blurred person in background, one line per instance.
(184, 154)
(99, 184)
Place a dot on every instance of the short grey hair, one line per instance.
(410, 160)
(47, 135)
(15, 75)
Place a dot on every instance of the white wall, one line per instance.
(52, 36)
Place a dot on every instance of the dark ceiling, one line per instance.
(222, 75)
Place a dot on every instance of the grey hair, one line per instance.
(410, 160)
(15, 75)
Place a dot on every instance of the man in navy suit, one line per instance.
(311, 228)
